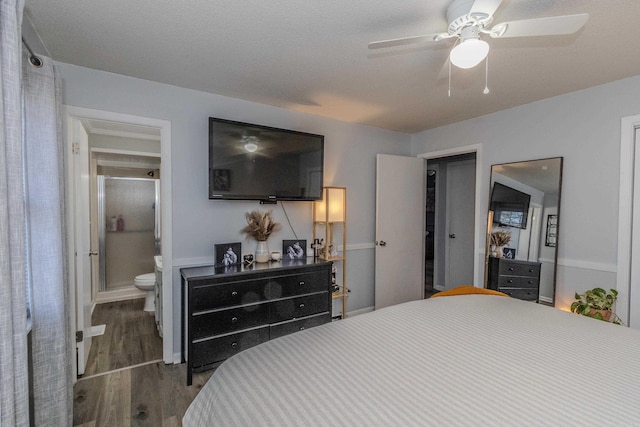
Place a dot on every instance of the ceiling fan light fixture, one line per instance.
(250, 143)
(250, 147)
(469, 53)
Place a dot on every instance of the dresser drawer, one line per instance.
(216, 349)
(518, 269)
(286, 328)
(208, 296)
(298, 284)
(527, 294)
(229, 320)
(518, 282)
(298, 307)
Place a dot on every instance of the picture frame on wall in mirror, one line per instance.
(221, 179)
(552, 230)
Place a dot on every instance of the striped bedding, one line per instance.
(466, 360)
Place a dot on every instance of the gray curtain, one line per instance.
(33, 260)
(46, 242)
(14, 391)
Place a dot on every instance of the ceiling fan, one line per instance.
(469, 19)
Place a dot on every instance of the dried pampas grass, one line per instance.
(500, 238)
(260, 225)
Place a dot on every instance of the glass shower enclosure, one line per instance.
(129, 231)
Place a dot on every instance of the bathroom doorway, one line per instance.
(122, 149)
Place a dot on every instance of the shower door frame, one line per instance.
(102, 217)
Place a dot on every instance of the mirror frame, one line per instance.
(543, 225)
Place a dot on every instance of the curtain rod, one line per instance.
(33, 58)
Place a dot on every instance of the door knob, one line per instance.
(383, 243)
(91, 253)
(452, 236)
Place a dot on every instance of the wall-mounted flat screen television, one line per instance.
(254, 162)
(510, 207)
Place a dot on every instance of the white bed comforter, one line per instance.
(470, 360)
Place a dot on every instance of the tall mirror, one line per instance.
(522, 229)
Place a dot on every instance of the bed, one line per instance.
(452, 361)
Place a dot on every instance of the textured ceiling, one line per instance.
(312, 55)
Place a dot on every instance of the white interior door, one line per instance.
(634, 289)
(461, 179)
(400, 210)
(82, 240)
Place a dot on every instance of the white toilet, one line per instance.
(147, 282)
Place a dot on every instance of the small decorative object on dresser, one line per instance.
(227, 254)
(498, 240)
(260, 226)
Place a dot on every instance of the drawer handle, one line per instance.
(234, 293)
(301, 305)
(301, 283)
(531, 270)
(234, 319)
(234, 344)
(510, 268)
(510, 281)
(302, 328)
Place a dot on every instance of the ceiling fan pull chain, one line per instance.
(486, 75)
(449, 78)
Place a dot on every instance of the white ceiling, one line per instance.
(312, 55)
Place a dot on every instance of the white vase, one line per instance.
(262, 251)
(499, 252)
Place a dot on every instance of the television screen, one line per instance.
(510, 207)
(254, 162)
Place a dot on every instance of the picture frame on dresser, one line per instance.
(509, 253)
(294, 249)
(227, 254)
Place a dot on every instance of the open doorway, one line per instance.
(126, 152)
(450, 221)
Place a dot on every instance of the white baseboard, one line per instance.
(545, 299)
(119, 295)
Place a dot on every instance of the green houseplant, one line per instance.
(597, 303)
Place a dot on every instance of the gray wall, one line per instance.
(584, 128)
(198, 223)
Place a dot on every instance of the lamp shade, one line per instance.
(332, 206)
(469, 53)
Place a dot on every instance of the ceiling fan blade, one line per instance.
(488, 7)
(408, 40)
(552, 26)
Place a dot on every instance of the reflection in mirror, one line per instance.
(522, 229)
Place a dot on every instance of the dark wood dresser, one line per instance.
(518, 279)
(228, 309)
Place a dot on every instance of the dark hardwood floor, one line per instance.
(130, 337)
(125, 382)
(151, 395)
